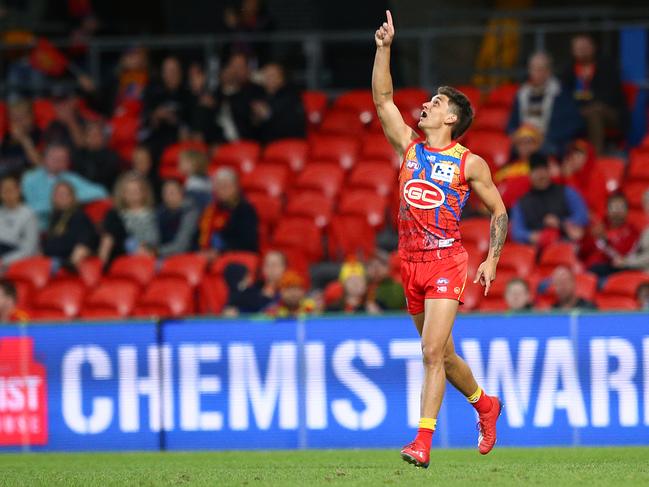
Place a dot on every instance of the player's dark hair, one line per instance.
(8, 288)
(461, 106)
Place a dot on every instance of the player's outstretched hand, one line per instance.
(385, 33)
(485, 275)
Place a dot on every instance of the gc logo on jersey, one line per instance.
(443, 171)
(423, 194)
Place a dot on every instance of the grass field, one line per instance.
(505, 466)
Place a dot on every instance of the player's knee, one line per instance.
(433, 354)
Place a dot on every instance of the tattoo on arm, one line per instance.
(498, 233)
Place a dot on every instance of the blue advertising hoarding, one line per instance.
(579, 379)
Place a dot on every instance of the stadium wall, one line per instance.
(566, 379)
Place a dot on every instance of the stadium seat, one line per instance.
(324, 177)
(58, 300)
(165, 296)
(333, 292)
(476, 257)
(634, 191)
(137, 268)
(242, 156)
(473, 294)
(491, 118)
(342, 122)
(476, 231)
(169, 159)
(248, 259)
(358, 101)
(113, 299)
(518, 258)
(190, 267)
(558, 254)
(497, 289)
(350, 236)
(612, 170)
(269, 208)
(315, 105)
(638, 218)
(23, 294)
(289, 152)
(212, 295)
(298, 233)
(638, 165)
(88, 273)
(473, 94)
(270, 179)
(365, 203)
(123, 136)
(33, 270)
(377, 147)
(493, 145)
(309, 204)
(619, 303)
(624, 283)
(410, 117)
(96, 210)
(340, 149)
(377, 175)
(44, 112)
(502, 96)
(411, 99)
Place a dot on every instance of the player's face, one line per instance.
(436, 113)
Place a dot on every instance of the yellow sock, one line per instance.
(428, 423)
(473, 398)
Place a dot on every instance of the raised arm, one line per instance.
(397, 132)
(477, 174)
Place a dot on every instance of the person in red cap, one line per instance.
(293, 301)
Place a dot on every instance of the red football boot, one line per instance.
(487, 426)
(416, 455)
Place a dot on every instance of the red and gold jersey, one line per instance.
(432, 193)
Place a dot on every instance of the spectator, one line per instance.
(202, 106)
(293, 301)
(382, 288)
(548, 211)
(642, 296)
(541, 101)
(37, 183)
(578, 170)
(166, 107)
(253, 296)
(596, 87)
(230, 221)
(9, 312)
(563, 282)
(638, 258)
(18, 149)
(142, 164)
(517, 295)
(177, 220)
(95, 161)
(355, 299)
(193, 165)
(67, 127)
(130, 227)
(71, 236)
(18, 225)
(609, 242)
(280, 114)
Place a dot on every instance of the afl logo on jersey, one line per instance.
(423, 194)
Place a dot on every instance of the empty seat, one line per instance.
(96, 210)
(44, 112)
(493, 146)
(343, 122)
(612, 170)
(248, 259)
(59, 300)
(324, 177)
(289, 152)
(88, 272)
(518, 258)
(638, 218)
(491, 118)
(298, 233)
(377, 175)
(624, 283)
(33, 270)
(475, 231)
(473, 94)
(212, 295)
(634, 191)
(315, 105)
(502, 95)
(350, 236)
(558, 254)
(123, 135)
(313, 205)
(376, 147)
(242, 156)
(411, 98)
(339, 149)
(360, 102)
(190, 267)
(269, 208)
(137, 268)
(165, 296)
(638, 165)
(269, 179)
(620, 303)
(113, 299)
(365, 203)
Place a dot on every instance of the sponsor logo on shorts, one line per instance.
(423, 194)
(414, 165)
(442, 289)
(457, 290)
(441, 281)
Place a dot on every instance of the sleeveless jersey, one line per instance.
(432, 193)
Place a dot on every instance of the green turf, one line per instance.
(505, 466)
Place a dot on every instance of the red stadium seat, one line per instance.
(365, 203)
(634, 191)
(315, 105)
(473, 294)
(358, 101)
(624, 283)
(59, 300)
(123, 137)
(33, 270)
(270, 179)
(342, 122)
(190, 267)
(289, 152)
(630, 93)
(248, 259)
(518, 258)
(377, 175)
(615, 303)
(350, 236)
(638, 218)
(476, 257)
(491, 118)
(269, 208)
(476, 231)
(497, 289)
(339, 149)
(638, 165)
(410, 117)
(137, 268)
(324, 177)
(333, 292)
(96, 210)
(612, 170)
(473, 94)
(113, 299)
(309, 204)
(377, 147)
(493, 146)
(242, 156)
(212, 295)
(502, 95)
(411, 99)
(88, 273)
(558, 254)
(298, 233)
(44, 112)
(165, 296)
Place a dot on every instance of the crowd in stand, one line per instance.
(53, 164)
